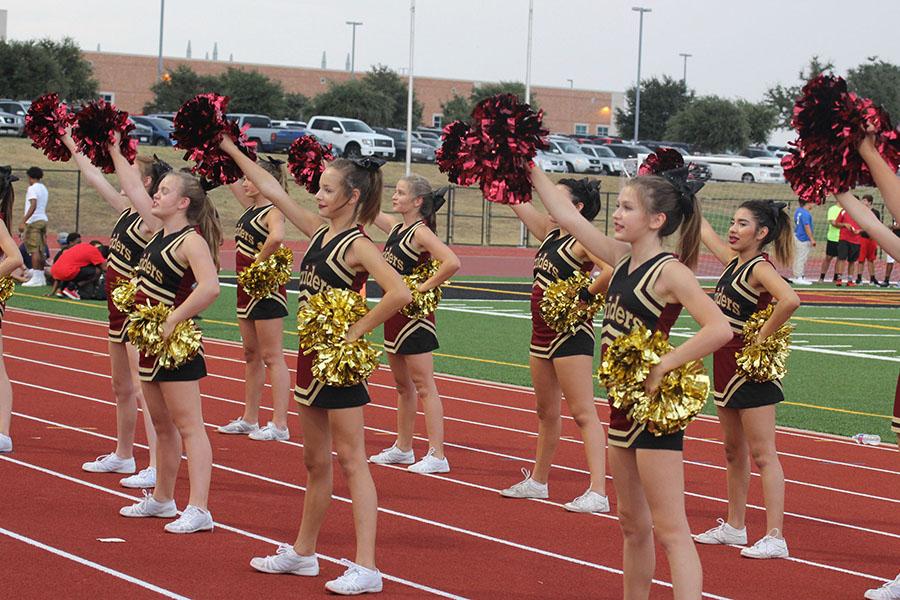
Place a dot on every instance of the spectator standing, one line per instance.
(833, 237)
(34, 225)
(803, 241)
(79, 264)
(889, 260)
(848, 248)
(868, 249)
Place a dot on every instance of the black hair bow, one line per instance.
(437, 198)
(686, 188)
(160, 168)
(275, 162)
(369, 163)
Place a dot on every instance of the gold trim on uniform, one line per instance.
(722, 399)
(560, 339)
(277, 296)
(409, 329)
(624, 439)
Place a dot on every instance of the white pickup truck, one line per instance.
(350, 137)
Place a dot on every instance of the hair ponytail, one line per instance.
(202, 213)
(363, 175)
(277, 169)
(7, 196)
(772, 215)
(432, 200)
(689, 242)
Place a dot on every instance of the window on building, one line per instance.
(581, 128)
(108, 96)
(322, 80)
(602, 130)
(437, 121)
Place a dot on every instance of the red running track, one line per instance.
(448, 535)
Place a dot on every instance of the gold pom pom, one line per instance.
(264, 277)
(7, 287)
(182, 346)
(423, 303)
(322, 324)
(625, 367)
(561, 306)
(145, 326)
(123, 295)
(765, 360)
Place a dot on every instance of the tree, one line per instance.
(382, 80)
(660, 100)
(31, 68)
(76, 72)
(456, 108)
(880, 81)
(251, 92)
(486, 90)
(712, 124)
(761, 119)
(782, 98)
(354, 99)
(296, 106)
(182, 85)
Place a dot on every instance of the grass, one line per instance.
(842, 392)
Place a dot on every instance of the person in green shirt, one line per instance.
(833, 237)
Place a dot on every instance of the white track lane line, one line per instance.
(89, 563)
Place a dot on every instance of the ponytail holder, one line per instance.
(159, 167)
(776, 207)
(437, 199)
(275, 162)
(685, 188)
(368, 163)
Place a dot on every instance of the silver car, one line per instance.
(550, 163)
(12, 124)
(576, 161)
(609, 162)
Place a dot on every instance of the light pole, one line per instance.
(637, 89)
(684, 77)
(409, 96)
(528, 53)
(159, 60)
(354, 25)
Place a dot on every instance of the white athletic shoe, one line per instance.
(37, 279)
(802, 281)
(769, 546)
(430, 464)
(889, 591)
(723, 533)
(150, 507)
(286, 560)
(5, 443)
(145, 478)
(588, 502)
(393, 456)
(355, 580)
(238, 427)
(527, 488)
(270, 433)
(110, 463)
(193, 519)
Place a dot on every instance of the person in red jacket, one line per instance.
(848, 248)
(78, 264)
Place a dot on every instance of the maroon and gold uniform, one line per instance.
(126, 245)
(249, 236)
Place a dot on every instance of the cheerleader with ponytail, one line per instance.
(11, 260)
(409, 341)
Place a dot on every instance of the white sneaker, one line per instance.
(5, 443)
(238, 427)
(393, 456)
(889, 591)
(430, 464)
(37, 279)
(286, 560)
(802, 281)
(723, 534)
(193, 519)
(528, 488)
(146, 478)
(150, 507)
(110, 463)
(588, 502)
(270, 433)
(355, 580)
(769, 546)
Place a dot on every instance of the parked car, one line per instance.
(142, 133)
(610, 164)
(726, 167)
(18, 108)
(623, 150)
(166, 116)
(419, 152)
(350, 137)
(260, 130)
(12, 124)
(654, 145)
(550, 163)
(576, 160)
(160, 129)
(289, 124)
(426, 137)
(757, 152)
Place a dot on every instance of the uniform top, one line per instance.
(556, 260)
(127, 243)
(161, 277)
(325, 265)
(400, 250)
(252, 230)
(631, 300)
(734, 295)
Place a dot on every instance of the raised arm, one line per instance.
(365, 256)
(132, 183)
(537, 223)
(384, 222)
(237, 190)
(94, 177)
(568, 217)
(879, 232)
(442, 253)
(886, 180)
(716, 245)
(275, 223)
(303, 219)
(196, 252)
(787, 299)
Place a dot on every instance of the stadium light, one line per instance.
(637, 89)
(354, 25)
(409, 96)
(159, 58)
(684, 77)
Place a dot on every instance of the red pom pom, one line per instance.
(95, 126)
(46, 123)
(306, 161)
(200, 124)
(496, 150)
(664, 159)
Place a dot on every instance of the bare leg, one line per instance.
(737, 462)
(254, 371)
(270, 336)
(5, 395)
(759, 427)
(319, 477)
(148, 423)
(126, 399)
(406, 401)
(168, 443)
(548, 396)
(638, 553)
(421, 371)
(574, 376)
(182, 399)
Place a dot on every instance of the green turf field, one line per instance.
(841, 374)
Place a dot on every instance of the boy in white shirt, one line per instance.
(34, 225)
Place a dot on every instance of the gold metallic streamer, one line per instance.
(7, 287)
(123, 295)
(765, 360)
(144, 331)
(264, 277)
(561, 306)
(423, 303)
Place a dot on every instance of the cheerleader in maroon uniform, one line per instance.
(132, 230)
(649, 287)
(561, 363)
(746, 408)
(410, 342)
(258, 234)
(11, 260)
(179, 269)
(339, 256)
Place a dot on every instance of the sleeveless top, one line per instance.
(325, 265)
(555, 260)
(161, 278)
(400, 250)
(736, 298)
(251, 231)
(127, 243)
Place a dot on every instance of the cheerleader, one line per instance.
(129, 237)
(746, 408)
(12, 260)
(259, 233)
(184, 252)
(649, 287)
(410, 342)
(561, 363)
(339, 256)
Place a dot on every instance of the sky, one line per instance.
(740, 48)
